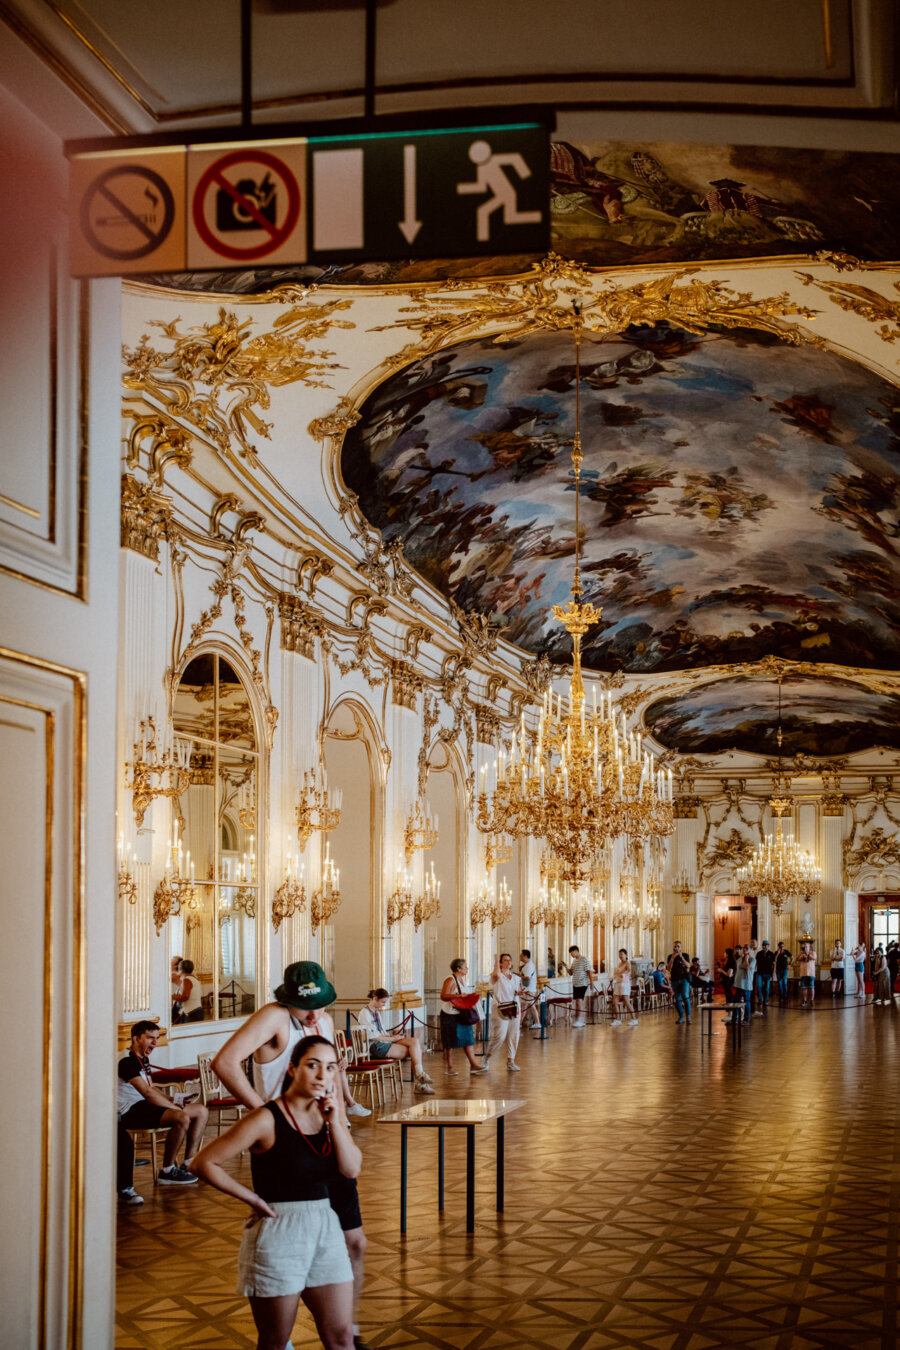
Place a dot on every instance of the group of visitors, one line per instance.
(304, 1237)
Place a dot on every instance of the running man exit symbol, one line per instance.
(491, 177)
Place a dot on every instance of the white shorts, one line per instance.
(302, 1247)
(623, 988)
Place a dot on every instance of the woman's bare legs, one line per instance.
(332, 1307)
(275, 1318)
(410, 1047)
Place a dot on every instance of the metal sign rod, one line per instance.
(246, 65)
(371, 20)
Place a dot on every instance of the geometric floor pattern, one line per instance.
(657, 1198)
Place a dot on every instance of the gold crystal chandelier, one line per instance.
(584, 780)
(779, 867)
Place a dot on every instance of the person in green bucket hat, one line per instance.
(267, 1039)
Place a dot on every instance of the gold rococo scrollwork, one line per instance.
(875, 849)
(542, 301)
(729, 853)
(216, 376)
(863, 301)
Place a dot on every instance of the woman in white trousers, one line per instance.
(505, 988)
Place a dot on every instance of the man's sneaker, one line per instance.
(357, 1109)
(487, 1065)
(425, 1077)
(177, 1176)
(757, 1014)
(478, 1069)
(512, 1066)
(616, 1022)
(421, 1086)
(634, 1022)
(129, 1196)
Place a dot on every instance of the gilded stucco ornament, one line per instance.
(145, 516)
(874, 850)
(730, 853)
(216, 376)
(406, 685)
(541, 301)
(863, 301)
(302, 626)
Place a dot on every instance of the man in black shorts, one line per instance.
(143, 1107)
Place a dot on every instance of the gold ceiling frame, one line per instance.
(541, 301)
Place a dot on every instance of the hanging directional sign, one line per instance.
(430, 194)
(339, 195)
(127, 213)
(247, 205)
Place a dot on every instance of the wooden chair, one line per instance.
(213, 1095)
(139, 1136)
(360, 1069)
(391, 1069)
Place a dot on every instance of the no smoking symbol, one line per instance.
(127, 213)
(239, 208)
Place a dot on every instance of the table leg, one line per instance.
(441, 1169)
(403, 1151)
(499, 1164)
(470, 1178)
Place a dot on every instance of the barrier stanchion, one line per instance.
(485, 1024)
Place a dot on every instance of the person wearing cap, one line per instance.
(765, 969)
(267, 1039)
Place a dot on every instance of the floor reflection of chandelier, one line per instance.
(584, 780)
(779, 868)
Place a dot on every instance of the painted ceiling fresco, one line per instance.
(819, 717)
(739, 496)
(629, 202)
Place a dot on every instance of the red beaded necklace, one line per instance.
(322, 1152)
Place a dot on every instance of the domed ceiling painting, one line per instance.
(819, 717)
(739, 495)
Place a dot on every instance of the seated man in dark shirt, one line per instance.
(142, 1106)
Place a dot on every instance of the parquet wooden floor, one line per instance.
(657, 1198)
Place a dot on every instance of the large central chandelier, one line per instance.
(583, 779)
(779, 867)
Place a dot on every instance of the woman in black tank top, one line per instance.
(292, 1245)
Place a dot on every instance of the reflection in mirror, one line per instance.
(194, 713)
(237, 950)
(215, 821)
(195, 812)
(237, 816)
(235, 718)
(194, 930)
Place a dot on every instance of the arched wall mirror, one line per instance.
(217, 822)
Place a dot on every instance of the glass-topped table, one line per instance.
(458, 1113)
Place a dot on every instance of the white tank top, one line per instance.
(192, 1002)
(268, 1077)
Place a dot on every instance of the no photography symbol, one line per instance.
(127, 213)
